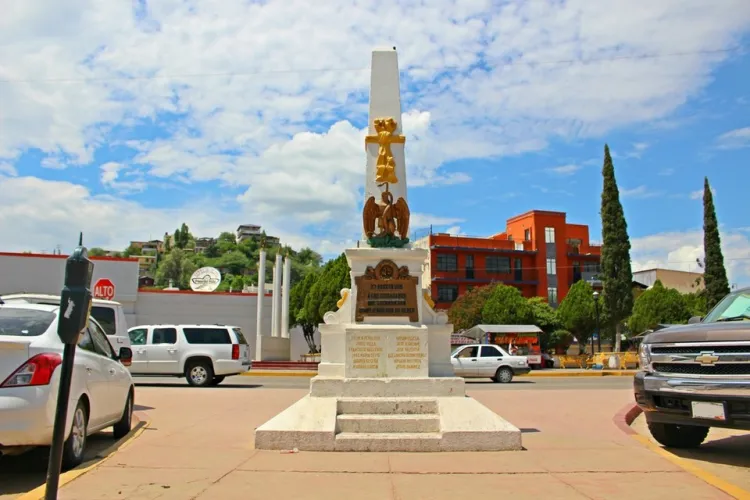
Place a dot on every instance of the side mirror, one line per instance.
(694, 320)
(125, 356)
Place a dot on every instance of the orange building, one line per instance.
(539, 253)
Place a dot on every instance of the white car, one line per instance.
(203, 354)
(108, 313)
(101, 392)
(487, 361)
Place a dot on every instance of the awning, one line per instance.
(480, 332)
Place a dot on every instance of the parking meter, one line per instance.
(73, 316)
(75, 300)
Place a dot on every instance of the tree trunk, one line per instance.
(618, 337)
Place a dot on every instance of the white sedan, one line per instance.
(487, 361)
(101, 393)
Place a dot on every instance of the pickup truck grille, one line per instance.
(686, 350)
(699, 369)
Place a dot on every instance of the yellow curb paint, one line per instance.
(280, 373)
(715, 481)
(101, 457)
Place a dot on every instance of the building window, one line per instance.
(549, 234)
(551, 266)
(519, 246)
(497, 264)
(447, 262)
(447, 293)
(527, 234)
(552, 296)
(591, 267)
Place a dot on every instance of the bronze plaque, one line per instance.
(387, 290)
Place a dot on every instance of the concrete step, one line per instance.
(388, 423)
(387, 406)
(421, 442)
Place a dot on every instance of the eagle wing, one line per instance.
(402, 216)
(369, 216)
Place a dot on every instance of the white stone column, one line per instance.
(275, 321)
(261, 297)
(285, 297)
(385, 102)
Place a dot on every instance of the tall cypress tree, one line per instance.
(616, 272)
(714, 274)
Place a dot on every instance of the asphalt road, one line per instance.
(518, 383)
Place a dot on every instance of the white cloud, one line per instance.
(638, 192)
(679, 250)
(275, 103)
(666, 172)
(110, 178)
(565, 169)
(698, 194)
(7, 169)
(734, 139)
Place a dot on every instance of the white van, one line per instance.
(203, 354)
(108, 313)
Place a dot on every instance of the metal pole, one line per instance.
(598, 333)
(61, 417)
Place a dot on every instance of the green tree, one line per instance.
(577, 312)
(545, 317)
(298, 315)
(560, 340)
(235, 262)
(238, 283)
(466, 311)
(617, 275)
(178, 267)
(696, 303)
(226, 242)
(506, 306)
(308, 256)
(97, 252)
(658, 305)
(714, 274)
(131, 250)
(326, 290)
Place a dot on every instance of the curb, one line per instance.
(101, 457)
(551, 374)
(624, 419)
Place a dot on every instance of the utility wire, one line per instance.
(499, 60)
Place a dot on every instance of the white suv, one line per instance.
(203, 354)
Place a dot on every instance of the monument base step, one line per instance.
(387, 406)
(386, 424)
(311, 424)
(425, 387)
(424, 442)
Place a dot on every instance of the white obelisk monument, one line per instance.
(385, 381)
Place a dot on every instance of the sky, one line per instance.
(125, 118)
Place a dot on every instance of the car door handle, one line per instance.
(142, 351)
(88, 370)
(171, 351)
(474, 360)
(112, 371)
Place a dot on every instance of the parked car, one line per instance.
(487, 361)
(101, 392)
(203, 354)
(697, 376)
(108, 313)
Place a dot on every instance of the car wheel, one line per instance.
(504, 375)
(122, 428)
(218, 380)
(678, 436)
(199, 374)
(75, 445)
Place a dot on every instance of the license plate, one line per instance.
(709, 411)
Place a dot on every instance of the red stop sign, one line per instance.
(104, 289)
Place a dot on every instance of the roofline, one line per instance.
(54, 256)
(666, 269)
(535, 212)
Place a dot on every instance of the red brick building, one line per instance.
(539, 253)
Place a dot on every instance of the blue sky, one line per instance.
(125, 119)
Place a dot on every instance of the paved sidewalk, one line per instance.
(552, 372)
(200, 445)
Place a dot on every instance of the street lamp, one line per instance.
(598, 334)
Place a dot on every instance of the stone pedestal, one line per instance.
(272, 348)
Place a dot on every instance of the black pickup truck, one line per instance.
(697, 376)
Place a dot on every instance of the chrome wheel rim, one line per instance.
(78, 432)
(198, 374)
(505, 376)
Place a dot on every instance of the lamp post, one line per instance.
(598, 333)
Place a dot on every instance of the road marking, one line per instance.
(101, 457)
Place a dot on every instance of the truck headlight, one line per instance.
(644, 355)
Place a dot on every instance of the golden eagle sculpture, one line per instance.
(386, 224)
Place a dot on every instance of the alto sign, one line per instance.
(104, 289)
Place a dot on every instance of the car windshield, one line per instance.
(733, 307)
(18, 322)
(106, 317)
